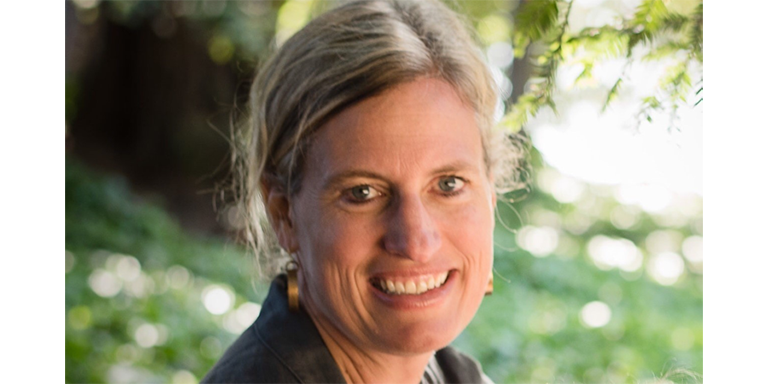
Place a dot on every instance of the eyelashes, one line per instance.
(445, 186)
(361, 193)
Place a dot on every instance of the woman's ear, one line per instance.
(278, 208)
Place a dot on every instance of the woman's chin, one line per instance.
(416, 343)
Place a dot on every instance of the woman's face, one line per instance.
(393, 223)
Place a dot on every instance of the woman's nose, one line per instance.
(411, 230)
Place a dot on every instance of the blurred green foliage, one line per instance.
(530, 330)
(147, 272)
(657, 30)
(136, 283)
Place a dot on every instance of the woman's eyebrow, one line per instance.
(456, 166)
(338, 178)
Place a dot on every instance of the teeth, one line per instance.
(422, 287)
(412, 287)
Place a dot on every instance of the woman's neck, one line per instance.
(359, 366)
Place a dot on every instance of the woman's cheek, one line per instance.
(344, 242)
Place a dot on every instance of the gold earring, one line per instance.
(293, 285)
(489, 288)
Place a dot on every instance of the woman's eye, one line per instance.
(450, 184)
(362, 193)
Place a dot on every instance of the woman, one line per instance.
(371, 151)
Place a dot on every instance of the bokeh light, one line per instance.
(293, 15)
(146, 335)
(546, 179)
(494, 28)
(79, 317)
(183, 377)
(125, 373)
(500, 54)
(608, 253)
(595, 314)
(567, 189)
(141, 286)
(624, 217)
(233, 217)
(178, 277)
(128, 268)
(663, 240)
(670, 217)
(247, 313)
(86, 4)
(588, 3)
(539, 241)
(666, 267)
(693, 249)
(104, 283)
(239, 320)
(217, 299)
(220, 49)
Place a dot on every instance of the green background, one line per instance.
(142, 256)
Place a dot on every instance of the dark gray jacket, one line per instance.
(285, 347)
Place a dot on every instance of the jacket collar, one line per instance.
(294, 339)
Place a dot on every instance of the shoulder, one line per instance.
(280, 347)
(458, 367)
(249, 360)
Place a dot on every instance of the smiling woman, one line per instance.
(427, 213)
(372, 153)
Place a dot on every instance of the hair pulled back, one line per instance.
(348, 54)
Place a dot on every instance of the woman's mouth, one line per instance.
(410, 286)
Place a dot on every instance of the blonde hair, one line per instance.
(350, 53)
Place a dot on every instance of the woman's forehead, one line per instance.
(418, 126)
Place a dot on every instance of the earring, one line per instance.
(293, 285)
(489, 288)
